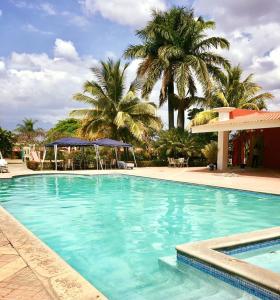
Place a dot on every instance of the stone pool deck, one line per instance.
(31, 270)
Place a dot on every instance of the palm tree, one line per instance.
(232, 91)
(115, 113)
(26, 131)
(176, 143)
(176, 49)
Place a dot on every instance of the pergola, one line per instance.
(76, 142)
(231, 119)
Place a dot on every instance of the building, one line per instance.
(258, 136)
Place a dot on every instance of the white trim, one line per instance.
(228, 126)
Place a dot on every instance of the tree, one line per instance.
(176, 143)
(64, 128)
(7, 140)
(176, 49)
(27, 133)
(232, 91)
(115, 113)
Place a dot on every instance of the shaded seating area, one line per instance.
(75, 143)
(115, 145)
(68, 143)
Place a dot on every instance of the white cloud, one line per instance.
(253, 29)
(40, 86)
(48, 8)
(110, 54)
(239, 13)
(1, 12)
(125, 12)
(2, 66)
(32, 28)
(77, 20)
(65, 49)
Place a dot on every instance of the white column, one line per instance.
(222, 160)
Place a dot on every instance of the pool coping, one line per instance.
(61, 173)
(207, 255)
(59, 279)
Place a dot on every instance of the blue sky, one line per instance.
(48, 46)
(32, 27)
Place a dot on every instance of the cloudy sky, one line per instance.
(48, 46)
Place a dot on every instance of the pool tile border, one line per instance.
(231, 279)
(250, 247)
(209, 256)
(59, 279)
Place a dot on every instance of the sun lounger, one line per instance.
(3, 166)
(124, 165)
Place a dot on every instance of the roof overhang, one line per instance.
(234, 125)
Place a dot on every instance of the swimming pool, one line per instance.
(265, 257)
(115, 230)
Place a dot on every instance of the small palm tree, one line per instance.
(210, 152)
(176, 50)
(26, 131)
(176, 143)
(115, 113)
(232, 91)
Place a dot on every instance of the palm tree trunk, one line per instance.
(181, 117)
(170, 91)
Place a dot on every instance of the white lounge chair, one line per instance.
(123, 165)
(3, 164)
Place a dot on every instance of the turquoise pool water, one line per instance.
(115, 229)
(267, 257)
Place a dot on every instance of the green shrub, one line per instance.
(33, 165)
(210, 152)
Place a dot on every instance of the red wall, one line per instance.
(271, 139)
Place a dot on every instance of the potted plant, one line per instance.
(210, 152)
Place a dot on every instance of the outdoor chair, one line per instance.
(103, 164)
(123, 165)
(113, 163)
(34, 157)
(180, 162)
(171, 162)
(186, 162)
(3, 166)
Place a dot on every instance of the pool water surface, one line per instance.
(116, 229)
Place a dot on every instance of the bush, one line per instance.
(210, 152)
(7, 140)
(33, 165)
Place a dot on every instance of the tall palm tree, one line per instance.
(232, 91)
(114, 112)
(26, 131)
(176, 49)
